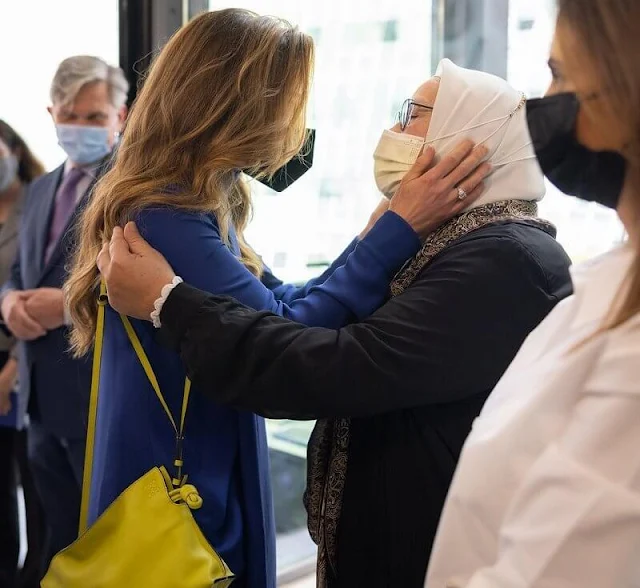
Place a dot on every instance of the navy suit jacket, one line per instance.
(52, 384)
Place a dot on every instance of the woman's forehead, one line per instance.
(564, 47)
(427, 92)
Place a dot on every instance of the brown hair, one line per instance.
(29, 166)
(607, 32)
(227, 93)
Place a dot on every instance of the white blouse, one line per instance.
(547, 491)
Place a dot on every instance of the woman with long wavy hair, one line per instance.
(227, 93)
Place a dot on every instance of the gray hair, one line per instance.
(76, 72)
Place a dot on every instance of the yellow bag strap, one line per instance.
(146, 365)
(93, 410)
(93, 401)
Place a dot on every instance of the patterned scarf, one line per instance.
(327, 453)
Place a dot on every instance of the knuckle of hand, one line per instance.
(479, 176)
(450, 161)
(429, 183)
(469, 163)
(444, 188)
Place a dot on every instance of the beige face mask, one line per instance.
(393, 158)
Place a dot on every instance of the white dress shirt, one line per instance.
(547, 491)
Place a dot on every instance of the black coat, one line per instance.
(413, 376)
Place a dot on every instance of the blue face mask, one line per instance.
(83, 144)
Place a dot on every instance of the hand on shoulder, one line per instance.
(133, 271)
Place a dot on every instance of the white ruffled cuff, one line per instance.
(159, 303)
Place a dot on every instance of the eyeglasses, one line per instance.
(406, 110)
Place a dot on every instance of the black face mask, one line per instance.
(595, 176)
(295, 168)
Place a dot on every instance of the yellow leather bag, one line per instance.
(148, 537)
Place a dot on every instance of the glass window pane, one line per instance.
(584, 229)
(48, 32)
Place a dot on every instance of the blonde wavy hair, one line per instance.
(606, 31)
(228, 92)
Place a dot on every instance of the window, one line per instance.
(369, 58)
(390, 31)
(526, 24)
(49, 31)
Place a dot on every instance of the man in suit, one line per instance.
(88, 109)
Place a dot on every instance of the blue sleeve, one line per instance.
(289, 292)
(192, 244)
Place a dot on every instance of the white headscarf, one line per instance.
(486, 109)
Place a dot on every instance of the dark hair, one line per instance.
(29, 167)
